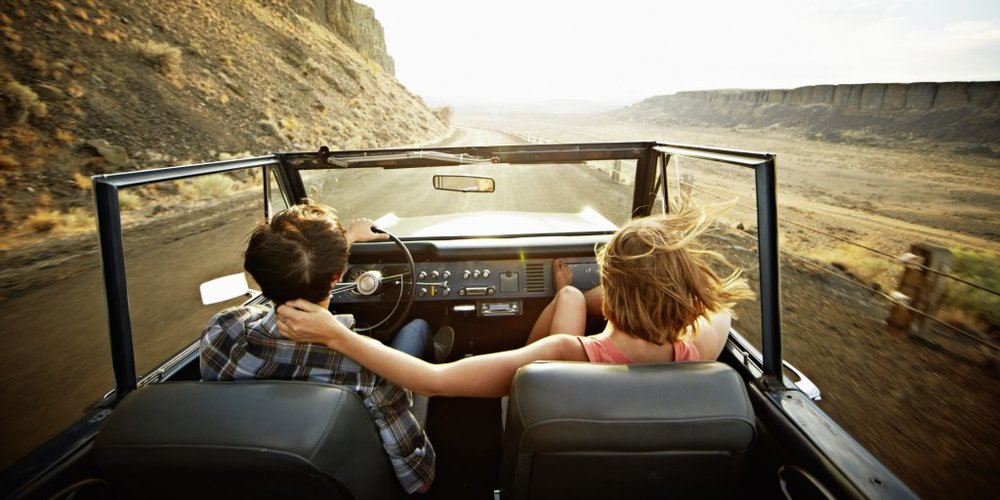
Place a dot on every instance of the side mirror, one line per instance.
(464, 183)
(225, 288)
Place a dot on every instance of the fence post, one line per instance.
(919, 288)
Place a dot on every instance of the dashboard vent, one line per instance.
(534, 277)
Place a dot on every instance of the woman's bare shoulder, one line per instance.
(563, 347)
(712, 333)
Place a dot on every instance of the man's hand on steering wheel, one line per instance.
(362, 230)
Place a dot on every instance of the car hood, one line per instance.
(495, 223)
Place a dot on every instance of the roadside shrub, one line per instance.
(8, 162)
(128, 200)
(23, 101)
(44, 220)
(444, 114)
(114, 36)
(164, 56)
(212, 186)
(78, 218)
(269, 127)
(65, 136)
(860, 263)
(82, 181)
(983, 269)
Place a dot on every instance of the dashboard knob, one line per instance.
(422, 275)
(446, 291)
(466, 274)
(486, 273)
(475, 274)
(434, 275)
(446, 274)
(422, 291)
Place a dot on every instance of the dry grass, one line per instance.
(65, 136)
(80, 27)
(23, 135)
(114, 36)
(444, 114)
(208, 187)
(82, 181)
(983, 269)
(43, 220)
(165, 57)
(8, 162)
(864, 265)
(50, 221)
(128, 200)
(24, 100)
(74, 90)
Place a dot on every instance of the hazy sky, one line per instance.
(621, 51)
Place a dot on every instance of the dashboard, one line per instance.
(498, 277)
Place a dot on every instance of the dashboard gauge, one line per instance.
(353, 274)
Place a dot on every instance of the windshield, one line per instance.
(560, 198)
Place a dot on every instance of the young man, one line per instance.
(301, 253)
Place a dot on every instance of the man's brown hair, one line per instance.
(657, 279)
(298, 254)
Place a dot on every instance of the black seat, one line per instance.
(265, 439)
(588, 430)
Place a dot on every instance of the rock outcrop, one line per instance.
(354, 23)
(954, 111)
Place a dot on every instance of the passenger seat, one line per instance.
(588, 430)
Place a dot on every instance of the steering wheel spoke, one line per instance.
(372, 283)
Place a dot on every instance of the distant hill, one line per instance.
(107, 85)
(967, 112)
(545, 107)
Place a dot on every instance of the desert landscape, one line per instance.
(928, 411)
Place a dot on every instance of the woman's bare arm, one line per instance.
(713, 331)
(487, 375)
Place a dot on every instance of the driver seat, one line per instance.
(256, 439)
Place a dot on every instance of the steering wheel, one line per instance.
(370, 282)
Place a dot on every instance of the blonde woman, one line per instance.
(662, 300)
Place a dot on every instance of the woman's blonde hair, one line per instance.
(657, 279)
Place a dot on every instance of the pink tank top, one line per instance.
(603, 350)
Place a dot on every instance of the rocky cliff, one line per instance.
(953, 111)
(354, 23)
(93, 86)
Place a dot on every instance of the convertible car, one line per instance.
(474, 234)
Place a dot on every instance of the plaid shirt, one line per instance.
(243, 343)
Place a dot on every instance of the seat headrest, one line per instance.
(589, 430)
(635, 407)
(252, 437)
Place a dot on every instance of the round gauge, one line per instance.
(352, 274)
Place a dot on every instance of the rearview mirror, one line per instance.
(464, 183)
